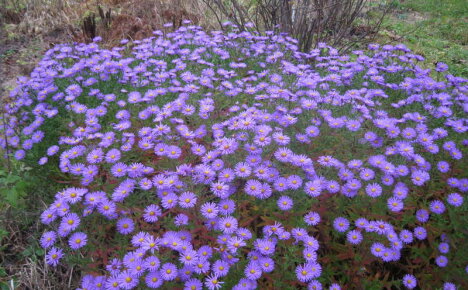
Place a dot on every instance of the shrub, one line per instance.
(234, 160)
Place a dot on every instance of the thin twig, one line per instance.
(6, 141)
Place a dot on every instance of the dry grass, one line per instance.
(62, 20)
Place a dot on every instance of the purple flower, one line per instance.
(151, 214)
(437, 206)
(70, 222)
(226, 206)
(374, 190)
(354, 237)
(212, 282)
(420, 233)
(367, 174)
(377, 249)
(187, 199)
(220, 268)
(77, 240)
(312, 218)
(341, 224)
(449, 286)
(168, 271)
(285, 203)
(444, 248)
(193, 284)
(409, 281)
(48, 239)
(127, 280)
(153, 279)
(119, 170)
(243, 170)
(406, 236)
(253, 271)
(394, 204)
(443, 166)
(441, 261)
(419, 177)
(422, 215)
(151, 263)
(455, 199)
(181, 220)
(307, 272)
(53, 256)
(95, 156)
(125, 226)
(228, 224)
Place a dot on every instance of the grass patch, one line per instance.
(434, 30)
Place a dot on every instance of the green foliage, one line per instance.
(12, 188)
(435, 30)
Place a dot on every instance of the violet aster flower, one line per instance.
(212, 282)
(419, 177)
(125, 226)
(308, 271)
(253, 271)
(341, 224)
(377, 249)
(455, 199)
(209, 210)
(437, 206)
(354, 237)
(449, 286)
(409, 281)
(154, 280)
(127, 280)
(228, 224)
(441, 261)
(420, 233)
(119, 169)
(367, 174)
(187, 200)
(373, 190)
(285, 203)
(226, 206)
(181, 220)
(312, 218)
(395, 204)
(70, 222)
(422, 215)
(443, 166)
(77, 240)
(444, 248)
(48, 239)
(151, 263)
(152, 213)
(168, 271)
(406, 236)
(53, 256)
(193, 284)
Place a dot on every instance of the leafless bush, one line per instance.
(337, 22)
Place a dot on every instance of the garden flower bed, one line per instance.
(232, 160)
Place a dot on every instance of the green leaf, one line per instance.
(12, 178)
(12, 197)
(3, 233)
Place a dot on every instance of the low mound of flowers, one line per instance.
(232, 160)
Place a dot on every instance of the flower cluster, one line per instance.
(200, 150)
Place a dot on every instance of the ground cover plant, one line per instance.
(437, 32)
(232, 160)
